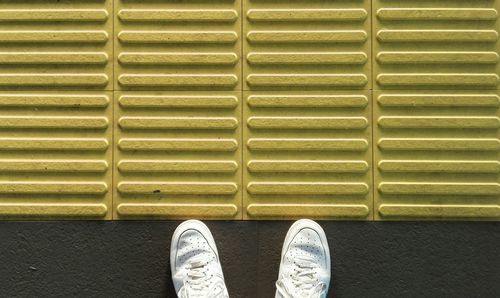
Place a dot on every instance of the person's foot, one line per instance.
(194, 261)
(305, 262)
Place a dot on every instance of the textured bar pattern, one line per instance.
(178, 45)
(250, 109)
(46, 45)
(177, 155)
(437, 149)
(307, 45)
(437, 155)
(307, 155)
(55, 155)
(436, 44)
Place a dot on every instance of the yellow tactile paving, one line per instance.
(306, 45)
(437, 155)
(307, 154)
(178, 155)
(250, 109)
(436, 149)
(47, 45)
(178, 45)
(436, 44)
(55, 155)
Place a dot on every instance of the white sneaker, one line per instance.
(194, 261)
(305, 262)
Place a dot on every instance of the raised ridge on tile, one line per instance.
(52, 210)
(159, 101)
(176, 58)
(178, 166)
(187, 80)
(444, 210)
(53, 79)
(307, 188)
(71, 144)
(53, 122)
(315, 36)
(177, 37)
(439, 100)
(318, 80)
(301, 144)
(53, 15)
(308, 166)
(307, 122)
(312, 14)
(319, 58)
(53, 58)
(439, 166)
(463, 122)
(178, 15)
(439, 188)
(177, 210)
(177, 144)
(437, 14)
(53, 100)
(309, 101)
(52, 187)
(435, 35)
(421, 57)
(310, 210)
(47, 36)
(177, 122)
(53, 165)
(439, 79)
(178, 188)
(440, 144)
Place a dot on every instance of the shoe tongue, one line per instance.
(199, 261)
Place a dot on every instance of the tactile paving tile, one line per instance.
(177, 45)
(304, 133)
(55, 155)
(307, 45)
(307, 154)
(178, 155)
(437, 155)
(434, 44)
(47, 45)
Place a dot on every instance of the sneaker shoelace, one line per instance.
(199, 282)
(304, 283)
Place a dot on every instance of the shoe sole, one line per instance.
(191, 224)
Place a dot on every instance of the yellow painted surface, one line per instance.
(438, 45)
(307, 45)
(178, 45)
(436, 148)
(55, 128)
(437, 155)
(307, 154)
(55, 155)
(250, 109)
(66, 45)
(178, 155)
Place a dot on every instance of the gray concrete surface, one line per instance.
(130, 259)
